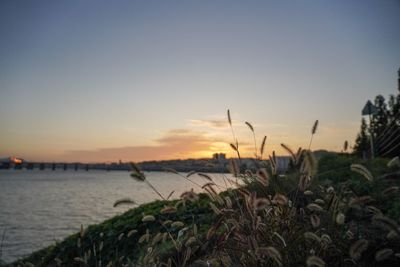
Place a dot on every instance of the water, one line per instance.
(38, 208)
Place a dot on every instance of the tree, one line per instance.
(384, 127)
(379, 124)
(361, 146)
(390, 141)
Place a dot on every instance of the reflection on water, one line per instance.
(38, 208)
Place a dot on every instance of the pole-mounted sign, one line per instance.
(369, 109)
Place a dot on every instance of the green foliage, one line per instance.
(385, 129)
(340, 211)
(394, 209)
(362, 144)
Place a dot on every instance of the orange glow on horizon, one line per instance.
(15, 160)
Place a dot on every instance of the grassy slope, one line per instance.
(113, 234)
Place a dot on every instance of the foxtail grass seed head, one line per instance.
(280, 238)
(387, 223)
(171, 170)
(392, 235)
(190, 196)
(309, 163)
(124, 201)
(191, 240)
(131, 232)
(290, 151)
(177, 224)
(144, 238)
(210, 187)
(148, 218)
(120, 236)
(303, 182)
(167, 222)
(273, 163)
(261, 203)
(357, 248)
(78, 259)
(250, 126)
(394, 162)
(138, 177)
(349, 235)
(314, 207)
(315, 220)
(280, 199)
(228, 202)
(345, 145)
(262, 177)
(383, 254)
(190, 174)
(314, 261)
(314, 128)
(262, 148)
(156, 239)
(340, 218)
(205, 176)
(234, 147)
(308, 193)
(216, 210)
(390, 190)
(374, 210)
(326, 240)
(168, 210)
(135, 168)
(360, 169)
(210, 233)
(312, 236)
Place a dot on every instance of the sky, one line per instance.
(97, 81)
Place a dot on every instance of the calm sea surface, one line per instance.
(38, 208)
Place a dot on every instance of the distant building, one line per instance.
(10, 162)
(219, 156)
(282, 163)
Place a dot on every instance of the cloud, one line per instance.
(176, 143)
(215, 124)
(190, 142)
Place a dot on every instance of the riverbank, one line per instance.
(345, 213)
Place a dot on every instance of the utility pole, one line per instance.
(398, 80)
(369, 109)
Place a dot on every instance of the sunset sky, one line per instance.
(138, 80)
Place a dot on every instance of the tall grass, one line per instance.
(263, 218)
(291, 220)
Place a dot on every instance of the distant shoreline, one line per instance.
(210, 165)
